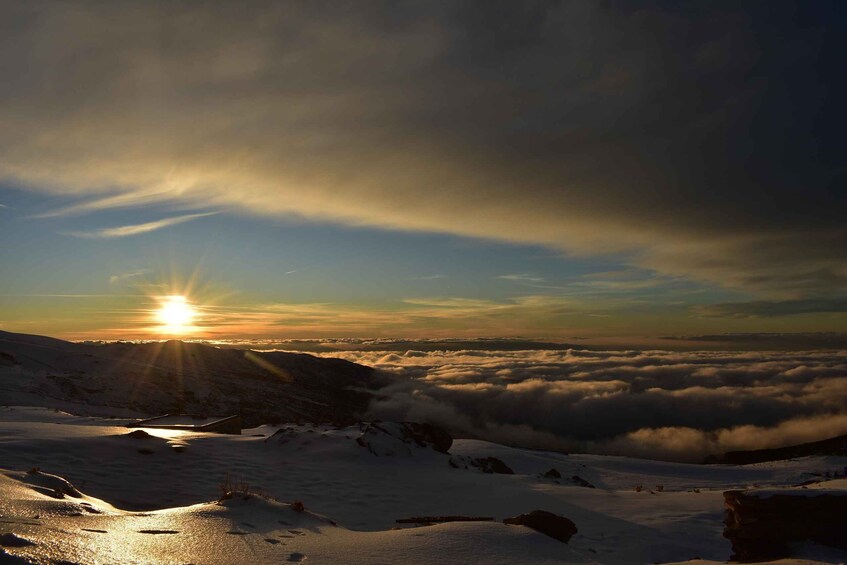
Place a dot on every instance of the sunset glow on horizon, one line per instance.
(598, 170)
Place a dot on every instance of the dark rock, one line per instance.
(11, 540)
(428, 434)
(398, 438)
(581, 482)
(761, 525)
(139, 434)
(6, 358)
(552, 474)
(553, 525)
(50, 485)
(492, 465)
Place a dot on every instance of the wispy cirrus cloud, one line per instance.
(137, 229)
(58, 295)
(129, 275)
(434, 277)
(771, 308)
(121, 200)
(522, 278)
(573, 130)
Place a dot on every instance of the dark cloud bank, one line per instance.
(658, 404)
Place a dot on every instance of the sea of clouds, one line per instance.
(660, 404)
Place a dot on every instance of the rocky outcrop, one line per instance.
(553, 525)
(51, 485)
(138, 434)
(429, 435)
(579, 481)
(761, 524)
(400, 438)
(492, 465)
(12, 540)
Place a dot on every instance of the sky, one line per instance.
(419, 169)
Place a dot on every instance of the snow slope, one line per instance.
(166, 482)
(247, 529)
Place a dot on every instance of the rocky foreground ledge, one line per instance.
(763, 524)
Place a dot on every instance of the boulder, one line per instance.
(51, 485)
(761, 524)
(552, 474)
(492, 465)
(399, 438)
(11, 540)
(553, 525)
(581, 482)
(429, 435)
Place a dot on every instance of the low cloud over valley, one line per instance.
(660, 404)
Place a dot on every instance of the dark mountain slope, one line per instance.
(832, 446)
(174, 376)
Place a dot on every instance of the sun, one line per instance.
(175, 314)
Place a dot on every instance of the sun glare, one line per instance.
(175, 314)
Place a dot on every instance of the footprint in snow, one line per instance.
(158, 532)
(25, 521)
(95, 531)
(296, 557)
(272, 541)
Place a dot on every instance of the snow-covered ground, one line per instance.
(352, 498)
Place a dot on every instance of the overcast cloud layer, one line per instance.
(699, 140)
(658, 404)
